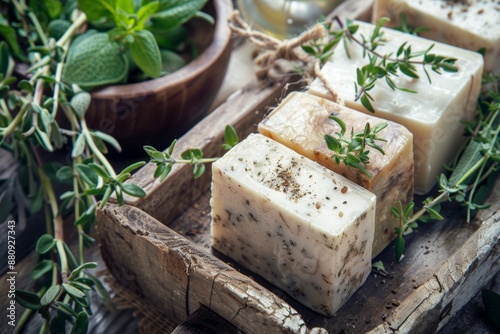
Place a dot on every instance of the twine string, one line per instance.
(290, 50)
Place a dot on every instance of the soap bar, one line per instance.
(434, 114)
(302, 227)
(301, 121)
(471, 25)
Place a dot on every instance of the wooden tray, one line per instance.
(158, 248)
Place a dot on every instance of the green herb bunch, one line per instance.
(353, 152)
(124, 35)
(402, 61)
(43, 126)
(473, 173)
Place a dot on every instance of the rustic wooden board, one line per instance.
(446, 262)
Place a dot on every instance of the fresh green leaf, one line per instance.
(95, 60)
(81, 323)
(45, 243)
(28, 299)
(133, 190)
(78, 146)
(146, 53)
(80, 103)
(73, 292)
(41, 268)
(108, 139)
(133, 167)
(43, 140)
(366, 103)
(87, 175)
(173, 14)
(171, 61)
(145, 13)
(332, 143)
(4, 60)
(50, 295)
(87, 217)
(9, 35)
(76, 271)
(340, 123)
(230, 137)
(97, 9)
(101, 290)
(80, 286)
(56, 28)
(198, 170)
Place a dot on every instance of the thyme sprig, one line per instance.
(164, 160)
(353, 151)
(380, 66)
(472, 175)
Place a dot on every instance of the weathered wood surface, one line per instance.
(177, 277)
(437, 251)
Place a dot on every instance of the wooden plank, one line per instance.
(177, 277)
(386, 300)
(430, 307)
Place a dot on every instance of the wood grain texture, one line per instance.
(434, 249)
(177, 277)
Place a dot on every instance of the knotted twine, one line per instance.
(278, 57)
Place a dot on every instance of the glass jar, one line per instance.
(284, 18)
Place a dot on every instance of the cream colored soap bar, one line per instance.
(471, 25)
(434, 115)
(301, 121)
(299, 225)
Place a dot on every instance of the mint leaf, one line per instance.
(146, 53)
(97, 9)
(144, 14)
(175, 13)
(9, 35)
(171, 61)
(94, 61)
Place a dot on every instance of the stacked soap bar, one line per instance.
(434, 114)
(301, 121)
(299, 225)
(471, 25)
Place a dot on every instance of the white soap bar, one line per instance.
(301, 121)
(471, 25)
(297, 224)
(434, 115)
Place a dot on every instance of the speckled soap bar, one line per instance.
(472, 25)
(301, 122)
(435, 114)
(294, 222)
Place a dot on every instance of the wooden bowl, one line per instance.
(156, 111)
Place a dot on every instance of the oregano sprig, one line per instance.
(353, 151)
